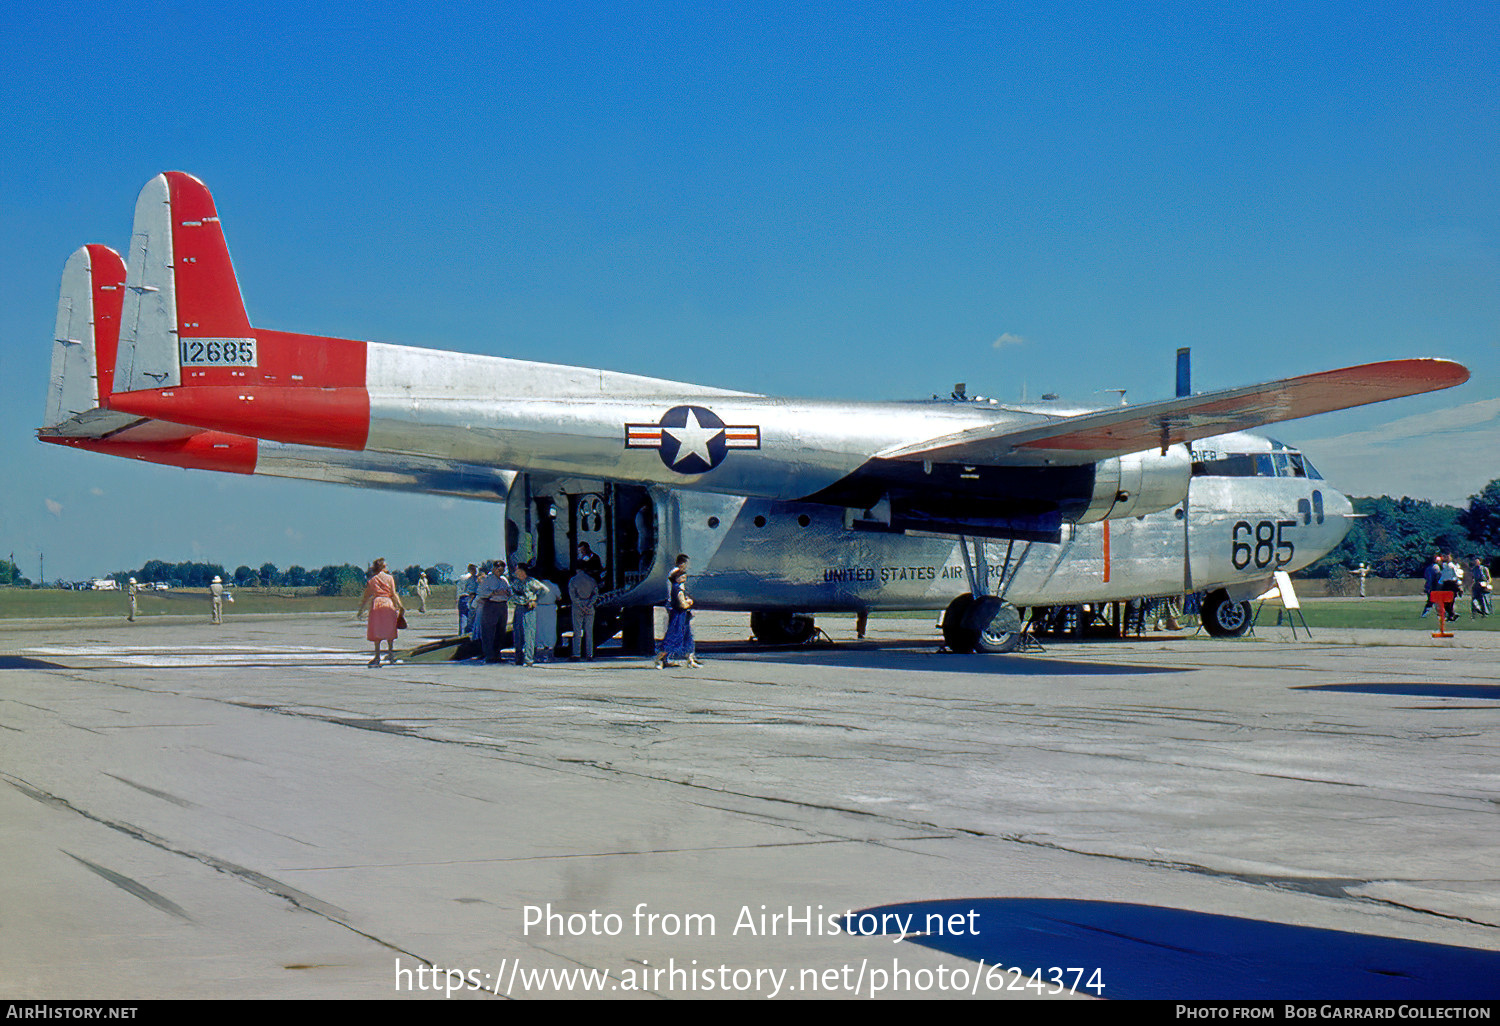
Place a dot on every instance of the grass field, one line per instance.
(1382, 613)
(23, 602)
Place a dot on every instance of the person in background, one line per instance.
(423, 590)
(583, 594)
(467, 590)
(546, 619)
(1483, 583)
(385, 609)
(1430, 575)
(1450, 580)
(590, 563)
(525, 591)
(677, 643)
(494, 605)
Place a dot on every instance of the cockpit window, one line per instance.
(1258, 464)
(1226, 466)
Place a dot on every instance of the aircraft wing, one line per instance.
(1089, 437)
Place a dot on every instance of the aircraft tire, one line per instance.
(1003, 632)
(1225, 618)
(956, 636)
(774, 627)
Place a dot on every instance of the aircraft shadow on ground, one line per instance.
(16, 662)
(886, 656)
(1415, 689)
(1152, 952)
(861, 655)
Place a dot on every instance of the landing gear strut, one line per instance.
(979, 621)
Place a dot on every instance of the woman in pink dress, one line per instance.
(385, 609)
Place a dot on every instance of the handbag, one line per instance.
(401, 620)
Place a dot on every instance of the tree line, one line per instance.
(1397, 537)
(334, 579)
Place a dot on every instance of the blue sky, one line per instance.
(850, 200)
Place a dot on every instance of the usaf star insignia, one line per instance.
(692, 439)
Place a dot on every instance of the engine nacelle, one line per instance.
(1139, 483)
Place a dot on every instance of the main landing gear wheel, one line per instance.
(778, 628)
(981, 625)
(1223, 617)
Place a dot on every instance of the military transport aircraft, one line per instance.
(788, 507)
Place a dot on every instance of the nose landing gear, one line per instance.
(1223, 617)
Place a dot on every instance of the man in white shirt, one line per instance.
(493, 597)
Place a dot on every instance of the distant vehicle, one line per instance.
(104, 584)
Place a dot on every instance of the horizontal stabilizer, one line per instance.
(1089, 437)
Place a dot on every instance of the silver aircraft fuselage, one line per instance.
(1241, 521)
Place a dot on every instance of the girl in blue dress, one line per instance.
(677, 643)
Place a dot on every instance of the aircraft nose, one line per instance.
(1338, 518)
(1337, 503)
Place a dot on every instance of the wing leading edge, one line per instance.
(1089, 437)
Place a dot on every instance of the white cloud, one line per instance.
(54, 507)
(1007, 339)
(1444, 457)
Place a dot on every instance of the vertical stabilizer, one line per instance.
(88, 316)
(147, 355)
(180, 287)
(208, 300)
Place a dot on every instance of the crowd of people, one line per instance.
(1445, 575)
(488, 591)
(505, 592)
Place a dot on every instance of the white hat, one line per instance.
(217, 581)
(132, 580)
